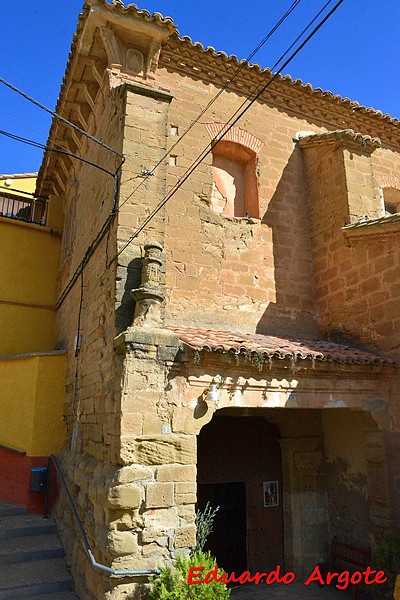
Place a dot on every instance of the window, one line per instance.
(234, 171)
(391, 199)
(235, 185)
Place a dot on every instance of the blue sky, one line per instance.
(356, 53)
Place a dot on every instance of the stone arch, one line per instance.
(237, 452)
(236, 135)
(388, 181)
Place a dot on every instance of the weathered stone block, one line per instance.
(186, 537)
(187, 512)
(185, 493)
(122, 542)
(159, 495)
(176, 473)
(152, 550)
(124, 521)
(133, 473)
(152, 424)
(167, 353)
(125, 496)
(165, 519)
(158, 450)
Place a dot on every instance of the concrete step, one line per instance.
(10, 510)
(33, 579)
(29, 548)
(25, 525)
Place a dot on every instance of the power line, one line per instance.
(221, 91)
(205, 152)
(109, 219)
(223, 132)
(57, 116)
(52, 149)
(30, 128)
(96, 242)
(301, 34)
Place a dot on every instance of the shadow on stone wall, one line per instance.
(128, 278)
(287, 216)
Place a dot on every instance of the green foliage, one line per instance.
(387, 559)
(172, 583)
(204, 525)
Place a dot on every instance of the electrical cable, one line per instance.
(52, 149)
(3, 112)
(221, 91)
(95, 243)
(223, 132)
(57, 116)
(108, 221)
(11, 189)
(301, 34)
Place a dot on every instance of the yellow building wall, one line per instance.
(13, 183)
(30, 256)
(32, 400)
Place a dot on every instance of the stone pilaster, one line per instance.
(304, 509)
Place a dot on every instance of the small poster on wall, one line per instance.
(271, 493)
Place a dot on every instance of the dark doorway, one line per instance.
(238, 462)
(227, 541)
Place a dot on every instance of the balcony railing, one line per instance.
(30, 210)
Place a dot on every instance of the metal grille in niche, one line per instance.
(271, 493)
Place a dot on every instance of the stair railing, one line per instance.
(95, 564)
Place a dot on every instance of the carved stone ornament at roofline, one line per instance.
(132, 39)
(151, 294)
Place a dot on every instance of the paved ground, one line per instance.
(294, 591)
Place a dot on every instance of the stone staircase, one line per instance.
(32, 561)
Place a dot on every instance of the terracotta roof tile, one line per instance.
(274, 346)
(367, 223)
(337, 136)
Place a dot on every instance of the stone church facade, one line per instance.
(241, 348)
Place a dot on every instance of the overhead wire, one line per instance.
(215, 98)
(240, 112)
(94, 244)
(3, 112)
(194, 165)
(57, 116)
(301, 34)
(35, 144)
(110, 218)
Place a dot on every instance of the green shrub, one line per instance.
(387, 559)
(204, 525)
(172, 583)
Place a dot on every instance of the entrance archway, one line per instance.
(287, 480)
(239, 470)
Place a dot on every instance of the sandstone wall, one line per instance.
(356, 271)
(93, 378)
(248, 274)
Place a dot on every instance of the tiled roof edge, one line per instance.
(17, 175)
(373, 223)
(185, 44)
(196, 339)
(339, 135)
